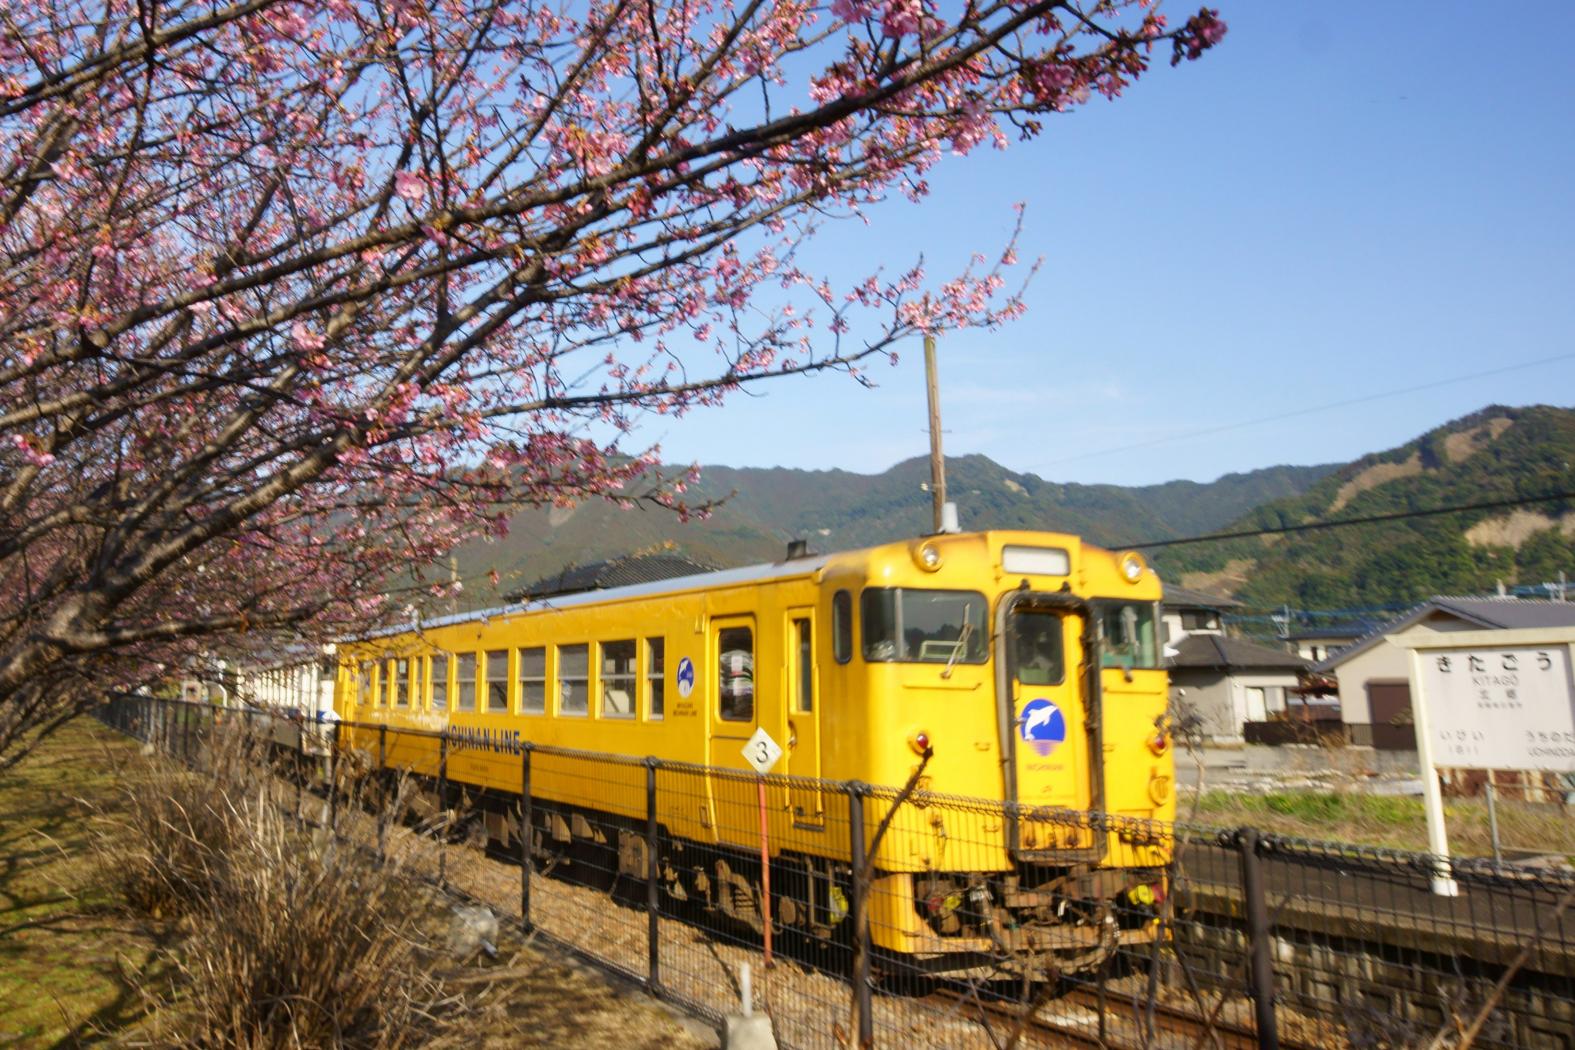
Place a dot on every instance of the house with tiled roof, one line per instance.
(1374, 677)
(1225, 682)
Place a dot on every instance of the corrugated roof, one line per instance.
(1216, 650)
(1491, 613)
(1177, 597)
(1510, 613)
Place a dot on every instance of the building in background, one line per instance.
(1374, 678)
(1225, 682)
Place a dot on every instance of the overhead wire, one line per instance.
(1312, 526)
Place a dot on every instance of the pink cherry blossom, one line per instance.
(310, 293)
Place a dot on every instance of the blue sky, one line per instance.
(1339, 201)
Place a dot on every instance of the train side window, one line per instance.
(465, 668)
(399, 682)
(656, 676)
(804, 671)
(842, 626)
(439, 667)
(408, 669)
(363, 684)
(617, 679)
(736, 675)
(574, 665)
(497, 680)
(533, 680)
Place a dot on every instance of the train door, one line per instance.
(1050, 722)
(735, 702)
(803, 716)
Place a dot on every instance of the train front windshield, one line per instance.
(912, 625)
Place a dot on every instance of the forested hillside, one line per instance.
(761, 509)
(1495, 454)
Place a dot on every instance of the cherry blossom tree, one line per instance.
(295, 294)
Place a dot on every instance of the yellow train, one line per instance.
(1027, 664)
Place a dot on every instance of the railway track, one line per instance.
(1073, 1019)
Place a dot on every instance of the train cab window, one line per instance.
(574, 665)
(439, 668)
(1128, 636)
(1038, 649)
(533, 680)
(909, 625)
(363, 684)
(497, 680)
(655, 676)
(803, 674)
(736, 674)
(465, 687)
(842, 626)
(617, 679)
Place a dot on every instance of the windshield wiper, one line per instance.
(962, 640)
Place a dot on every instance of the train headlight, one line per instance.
(929, 557)
(1132, 566)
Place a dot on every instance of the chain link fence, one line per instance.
(896, 931)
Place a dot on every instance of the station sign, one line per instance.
(1501, 699)
(1500, 707)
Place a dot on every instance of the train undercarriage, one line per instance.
(1042, 922)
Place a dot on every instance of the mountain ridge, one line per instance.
(1501, 450)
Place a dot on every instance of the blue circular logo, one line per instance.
(686, 676)
(1042, 725)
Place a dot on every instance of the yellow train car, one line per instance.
(1026, 664)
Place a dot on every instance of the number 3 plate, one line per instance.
(762, 752)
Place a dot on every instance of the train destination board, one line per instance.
(1508, 707)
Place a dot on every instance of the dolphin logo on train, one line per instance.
(1043, 726)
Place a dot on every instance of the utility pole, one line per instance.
(937, 463)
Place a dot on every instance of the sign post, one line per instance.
(1489, 700)
(762, 753)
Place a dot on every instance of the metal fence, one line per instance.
(1248, 940)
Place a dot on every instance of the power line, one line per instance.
(1292, 413)
(1311, 526)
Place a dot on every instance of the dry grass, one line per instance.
(279, 938)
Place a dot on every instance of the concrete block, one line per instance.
(748, 1033)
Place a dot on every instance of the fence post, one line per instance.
(300, 767)
(1260, 971)
(525, 836)
(653, 925)
(442, 793)
(333, 781)
(858, 911)
(382, 802)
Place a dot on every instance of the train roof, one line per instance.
(697, 581)
(800, 566)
